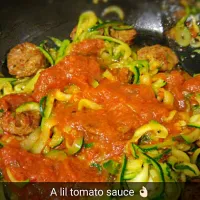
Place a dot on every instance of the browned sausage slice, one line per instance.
(159, 57)
(20, 123)
(126, 36)
(17, 123)
(25, 60)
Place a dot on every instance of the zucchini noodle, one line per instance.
(186, 32)
(19, 184)
(159, 130)
(115, 9)
(86, 21)
(13, 86)
(85, 103)
(127, 51)
(195, 156)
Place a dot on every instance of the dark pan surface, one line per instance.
(33, 20)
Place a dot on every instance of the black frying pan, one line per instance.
(33, 20)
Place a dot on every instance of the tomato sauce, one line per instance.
(125, 107)
(22, 165)
(74, 69)
(175, 82)
(193, 84)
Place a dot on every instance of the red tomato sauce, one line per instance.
(175, 82)
(125, 107)
(193, 84)
(24, 165)
(74, 69)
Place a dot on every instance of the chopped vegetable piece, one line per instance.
(75, 147)
(85, 103)
(30, 106)
(195, 156)
(47, 55)
(41, 104)
(62, 51)
(188, 169)
(115, 9)
(57, 138)
(98, 166)
(39, 145)
(182, 36)
(192, 136)
(56, 41)
(56, 155)
(86, 21)
(195, 121)
(111, 166)
(19, 184)
(89, 145)
(159, 130)
(28, 143)
(120, 176)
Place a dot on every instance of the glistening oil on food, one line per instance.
(95, 109)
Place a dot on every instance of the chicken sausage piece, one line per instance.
(126, 36)
(17, 123)
(20, 123)
(159, 57)
(124, 75)
(25, 60)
